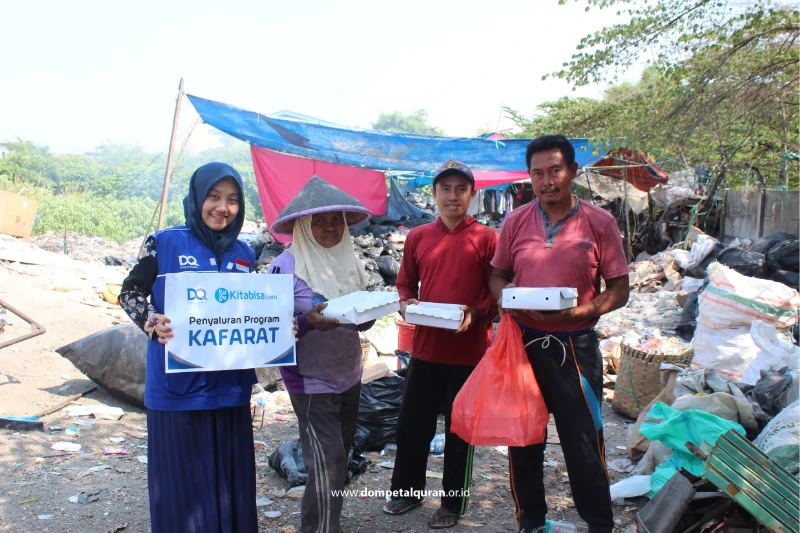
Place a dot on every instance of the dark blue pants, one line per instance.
(201, 471)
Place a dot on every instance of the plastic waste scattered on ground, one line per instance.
(103, 412)
(114, 450)
(437, 445)
(142, 459)
(272, 514)
(631, 487)
(261, 502)
(85, 423)
(559, 526)
(390, 450)
(72, 430)
(64, 446)
(86, 497)
(287, 460)
(116, 440)
(623, 466)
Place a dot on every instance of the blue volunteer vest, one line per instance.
(179, 250)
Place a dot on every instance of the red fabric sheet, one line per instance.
(280, 177)
(485, 179)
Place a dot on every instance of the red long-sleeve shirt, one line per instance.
(444, 266)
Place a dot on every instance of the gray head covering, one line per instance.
(319, 196)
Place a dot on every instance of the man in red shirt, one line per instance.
(447, 261)
(560, 241)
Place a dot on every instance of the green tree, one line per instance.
(720, 89)
(415, 122)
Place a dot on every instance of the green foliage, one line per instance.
(721, 88)
(113, 192)
(415, 122)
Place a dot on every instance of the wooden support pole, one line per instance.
(168, 173)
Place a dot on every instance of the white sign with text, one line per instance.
(230, 321)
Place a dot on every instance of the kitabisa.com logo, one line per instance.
(223, 295)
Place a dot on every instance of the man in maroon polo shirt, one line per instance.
(447, 261)
(560, 241)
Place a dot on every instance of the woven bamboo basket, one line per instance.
(639, 378)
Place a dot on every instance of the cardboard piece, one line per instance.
(435, 315)
(362, 306)
(540, 298)
(17, 214)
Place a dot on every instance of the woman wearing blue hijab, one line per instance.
(201, 466)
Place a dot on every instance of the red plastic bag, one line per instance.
(501, 404)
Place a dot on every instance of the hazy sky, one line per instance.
(76, 74)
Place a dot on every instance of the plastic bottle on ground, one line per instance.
(557, 526)
(437, 444)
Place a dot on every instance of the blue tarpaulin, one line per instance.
(397, 206)
(370, 149)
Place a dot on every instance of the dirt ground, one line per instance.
(37, 482)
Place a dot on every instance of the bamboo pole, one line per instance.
(168, 173)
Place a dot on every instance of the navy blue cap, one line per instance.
(451, 166)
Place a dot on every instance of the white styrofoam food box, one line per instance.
(540, 298)
(362, 306)
(436, 315)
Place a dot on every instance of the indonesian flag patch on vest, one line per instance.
(243, 265)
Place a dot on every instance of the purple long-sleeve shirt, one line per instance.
(327, 361)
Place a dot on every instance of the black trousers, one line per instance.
(569, 371)
(429, 386)
(327, 429)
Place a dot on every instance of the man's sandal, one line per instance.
(440, 515)
(408, 506)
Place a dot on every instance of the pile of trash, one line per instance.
(90, 248)
(733, 311)
(379, 243)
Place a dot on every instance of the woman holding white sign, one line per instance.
(201, 466)
(325, 385)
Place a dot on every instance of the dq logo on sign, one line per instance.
(196, 294)
(187, 260)
(221, 295)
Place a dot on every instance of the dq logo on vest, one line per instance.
(196, 294)
(187, 260)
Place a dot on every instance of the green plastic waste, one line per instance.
(674, 429)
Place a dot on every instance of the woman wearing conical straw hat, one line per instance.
(325, 385)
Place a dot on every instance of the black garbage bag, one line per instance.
(269, 253)
(765, 244)
(743, 261)
(403, 358)
(373, 253)
(365, 241)
(378, 411)
(413, 222)
(790, 279)
(115, 359)
(785, 256)
(701, 271)
(768, 390)
(388, 268)
(688, 321)
(379, 230)
(375, 279)
(287, 461)
(370, 264)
